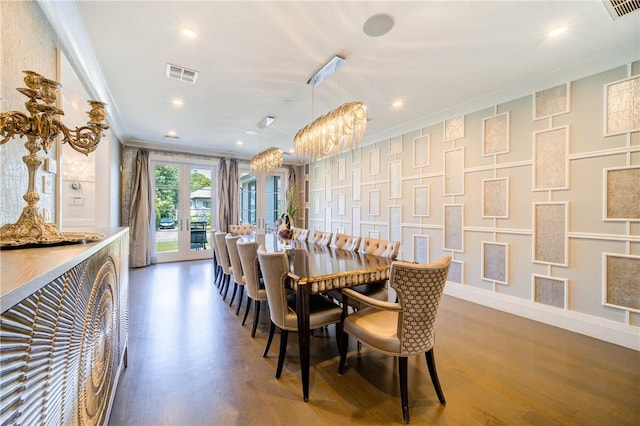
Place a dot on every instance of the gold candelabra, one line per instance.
(41, 128)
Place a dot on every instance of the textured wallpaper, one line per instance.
(27, 43)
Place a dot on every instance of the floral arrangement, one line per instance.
(283, 227)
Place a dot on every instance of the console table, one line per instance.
(63, 330)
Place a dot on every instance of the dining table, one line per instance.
(316, 269)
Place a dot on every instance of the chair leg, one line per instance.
(431, 363)
(240, 299)
(272, 330)
(233, 295)
(404, 391)
(225, 283)
(246, 310)
(256, 316)
(284, 336)
(343, 346)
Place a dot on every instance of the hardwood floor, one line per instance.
(192, 363)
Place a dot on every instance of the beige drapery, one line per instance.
(227, 194)
(141, 217)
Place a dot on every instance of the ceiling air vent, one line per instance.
(181, 73)
(619, 8)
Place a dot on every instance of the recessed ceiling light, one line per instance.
(397, 104)
(378, 25)
(177, 102)
(239, 142)
(189, 33)
(252, 132)
(558, 31)
(171, 134)
(292, 150)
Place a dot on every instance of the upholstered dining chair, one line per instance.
(321, 238)
(382, 248)
(225, 263)
(374, 247)
(346, 242)
(275, 272)
(300, 234)
(217, 267)
(236, 269)
(404, 328)
(243, 229)
(248, 252)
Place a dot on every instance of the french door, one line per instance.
(262, 198)
(184, 203)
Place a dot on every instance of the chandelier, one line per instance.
(41, 127)
(341, 128)
(266, 161)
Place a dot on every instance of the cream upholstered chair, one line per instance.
(244, 229)
(224, 261)
(404, 328)
(382, 248)
(346, 242)
(216, 262)
(236, 269)
(300, 234)
(321, 238)
(275, 270)
(248, 252)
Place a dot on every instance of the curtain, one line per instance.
(227, 194)
(141, 217)
(234, 214)
(223, 206)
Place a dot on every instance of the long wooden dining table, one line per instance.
(317, 269)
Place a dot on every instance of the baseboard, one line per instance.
(589, 325)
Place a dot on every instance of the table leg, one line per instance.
(304, 336)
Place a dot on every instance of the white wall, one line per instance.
(569, 289)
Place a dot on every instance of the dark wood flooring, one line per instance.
(192, 363)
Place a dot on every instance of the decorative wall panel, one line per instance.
(421, 151)
(454, 172)
(456, 272)
(549, 291)
(622, 193)
(341, 169)
(495, 198)
(550, 233)
(495, 262)
(622, 106)
(395, 145)
(621, 281)
(453, 232)
(395, 223)
(395, 179)
(374, 203)
(355, 221)
(374, 162)
(550, 169)
(421, 248)
(341, 204)
(550, 102)
(495, 134)
(421, 201)
(454, 129)
(355, 184)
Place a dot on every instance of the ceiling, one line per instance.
(441, 58)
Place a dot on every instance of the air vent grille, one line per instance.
(180, 73)
(619, 8)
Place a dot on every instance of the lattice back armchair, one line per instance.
(404, 328)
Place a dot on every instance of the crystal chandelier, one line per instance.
(266, 161)
(341, 128)
(269, 159)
